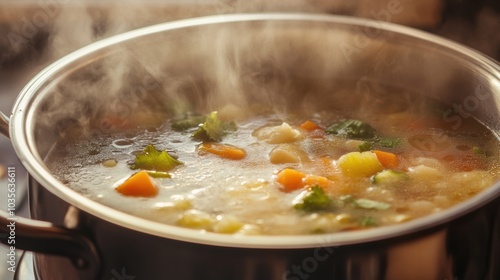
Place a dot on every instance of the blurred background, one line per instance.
(34, 33)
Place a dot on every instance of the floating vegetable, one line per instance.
(390, 177)
(213, 129)
(358, 164)
(139, 184)
(291, 179)
(352, 129)
(223, 150)
(153, 159)
(187, 123)
(388, 160)
(316, 200)
(371, 204)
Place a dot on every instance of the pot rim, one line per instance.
(22, 127)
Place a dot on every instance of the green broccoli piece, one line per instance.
(213, 129)
(153, 159)
(187, 123)
(316, 200)
(352, 129)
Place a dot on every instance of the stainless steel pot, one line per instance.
(194, 59)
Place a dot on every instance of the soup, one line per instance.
(266, 171)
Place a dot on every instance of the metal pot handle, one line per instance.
(44, 237)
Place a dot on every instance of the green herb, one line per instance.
(316, 200)
(390, 142)
(367, 221)
(213, 129)
(365, 147)
(352, 129)
(371, 204)
(153, 159)
(187, 123)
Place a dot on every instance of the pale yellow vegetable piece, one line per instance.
(227, 224)
(358, 164)
(283, 133)
(287, 153)
(196, 219)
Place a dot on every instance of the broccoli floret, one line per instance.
(187, 123)
(352, 129)
(152, 159)
(316, 200)
(213, 129)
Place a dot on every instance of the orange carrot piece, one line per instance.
(388, 160)
(315, 180)
(291, 179)
(310, 125)
(223, 150)
(139, 184)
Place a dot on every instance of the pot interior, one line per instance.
(291, 62)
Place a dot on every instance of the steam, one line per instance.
(247, 65)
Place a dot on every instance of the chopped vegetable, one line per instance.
(368, 221)
(223, 150)
(358, 164)
(287, 153)
(365, 147)
(390, 177)
(110, 163)
(227, 224)
(388, 160)
(196, 219)
(291, 179)
(187, 123)
(310, 125)
(213, 129)
(389, 142)
(316, 200)
(279, 134)
(352, 129)
(139, 184)
(371, 204)
(152, 159)
(315, 180)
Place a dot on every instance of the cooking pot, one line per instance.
(292, 59)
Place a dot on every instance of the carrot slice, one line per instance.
(315, 180)
(139, 184)
(388, 160)
(310, 125)
(223, 150)
(291, 179)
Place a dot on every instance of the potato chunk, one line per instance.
(287, 153)
(280, 134)
(358, 164)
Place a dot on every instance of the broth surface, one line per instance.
(437, 165)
